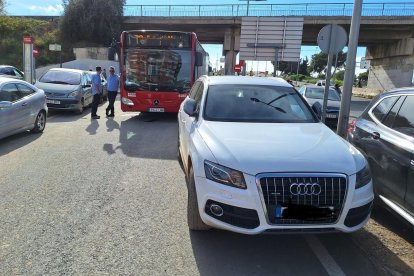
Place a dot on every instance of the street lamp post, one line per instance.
(248, 4)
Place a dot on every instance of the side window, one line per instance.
(194, 89)
(404, 122)
(381, 110)
(25, 90)
(10, 93)
(390, 117)
(17, 73)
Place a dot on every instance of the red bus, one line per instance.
(158, 69)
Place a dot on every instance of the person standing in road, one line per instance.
(113, 84)
(338, 89)
(96, 91)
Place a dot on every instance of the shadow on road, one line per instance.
(16, 141)
(93, 127)
(392, 222)
(224, 253)
(148, 135)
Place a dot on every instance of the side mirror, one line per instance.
(199, 59)
(5, 104)
(317, 108)
(190, 107)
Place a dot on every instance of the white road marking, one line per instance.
(331, 267)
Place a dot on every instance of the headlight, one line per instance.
(224, 175)
(126, 101)
(74, 93)
(363, 177)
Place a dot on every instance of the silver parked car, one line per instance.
(66, 89)
(22, 107)
(314, 93)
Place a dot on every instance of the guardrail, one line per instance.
(308, 9)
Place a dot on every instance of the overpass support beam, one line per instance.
(231, 47)
(392, 65)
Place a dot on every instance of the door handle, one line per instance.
(24, 104)
(375, 135)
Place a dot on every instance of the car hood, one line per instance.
(271, 147)
(331, 105)
(56, 88)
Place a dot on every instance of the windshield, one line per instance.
(317, 93)
(253, 103)
(61, 77)
(157, 70)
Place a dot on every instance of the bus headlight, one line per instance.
(126, 101)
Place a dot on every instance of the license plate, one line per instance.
(52, 102)
(155, 109)
(331, 115)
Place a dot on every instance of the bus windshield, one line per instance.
(161, 70)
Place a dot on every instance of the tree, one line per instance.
(2, 7)
(319, 61)
(303, 67)
(12, 29)
(340, 75)
(91, 22)
(363, 76)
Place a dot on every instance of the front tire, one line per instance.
(40, 122)
(193, 215)
(81, 108)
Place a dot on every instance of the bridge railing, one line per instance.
(308, 9)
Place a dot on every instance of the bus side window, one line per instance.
(198, 59)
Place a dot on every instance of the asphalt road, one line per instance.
(108, 197)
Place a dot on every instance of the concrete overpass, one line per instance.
(389, 40)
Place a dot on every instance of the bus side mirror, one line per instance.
(198, 59)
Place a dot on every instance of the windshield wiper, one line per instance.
(57, 82)
(256, 100)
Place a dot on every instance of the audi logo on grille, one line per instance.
(305, 189)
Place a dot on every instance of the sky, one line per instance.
(54, 7)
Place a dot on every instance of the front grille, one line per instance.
(303, 198)
(55, 95)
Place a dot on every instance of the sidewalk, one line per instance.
(364, 92)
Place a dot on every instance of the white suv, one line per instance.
(257, 160)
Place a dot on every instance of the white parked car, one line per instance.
(257, 160)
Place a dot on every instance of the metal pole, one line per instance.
(349, 69)
(327, 82)
(248, 3)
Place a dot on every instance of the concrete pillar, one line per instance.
(231, 47)
(391, 65)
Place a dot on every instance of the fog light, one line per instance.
(216, 210)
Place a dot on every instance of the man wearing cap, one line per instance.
(96, 91)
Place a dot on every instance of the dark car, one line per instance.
(11, 72)
(385, 134)
(314, 94)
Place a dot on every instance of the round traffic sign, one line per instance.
(332, 39)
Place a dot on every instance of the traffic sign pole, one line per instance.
(349, 69)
